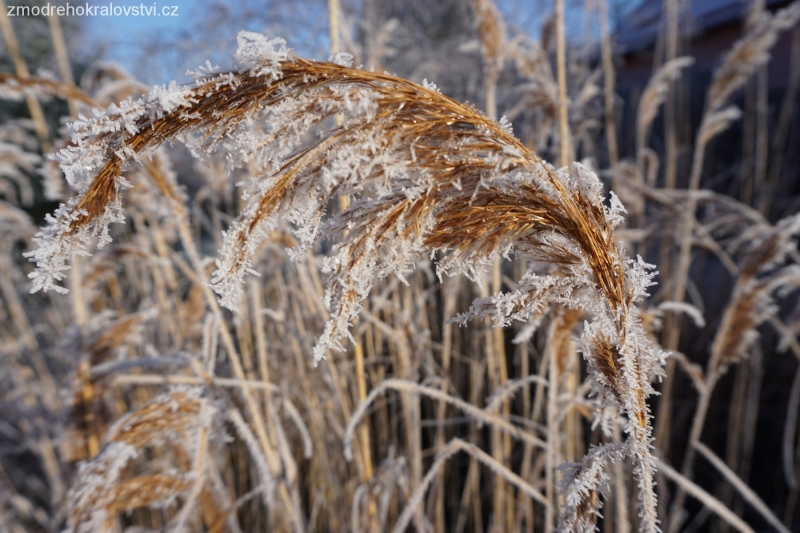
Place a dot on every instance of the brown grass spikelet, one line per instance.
(142, 491)
(748, 53)
(113, 482)
(605, 358)
(15, 88)
(193, 311)
(561, 334)
(537, 96)
(491, 32)
(530, 59)
(582, 484)
(85, 500)
(761, 256)
(654, 95)
(751, 302)
(627, 180)
(85, 418)
(736, 332)
(125, 495)
(101, 345)
(174, 414)
(94, 343)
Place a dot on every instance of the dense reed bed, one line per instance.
(370, 307)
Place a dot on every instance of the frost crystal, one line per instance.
(507, 127)
(343, 59)
(583, 484)
(614, 213)
(430, 85)
(260, 55)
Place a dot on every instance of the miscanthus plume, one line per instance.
(425, 175)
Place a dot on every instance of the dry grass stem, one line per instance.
(480, 415)
(748, 494)
(707, 499)
(453, 447)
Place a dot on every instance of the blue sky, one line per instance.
(157, 48)
(121, 36)
(151, 46)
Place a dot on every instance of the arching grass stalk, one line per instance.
(426, 176)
